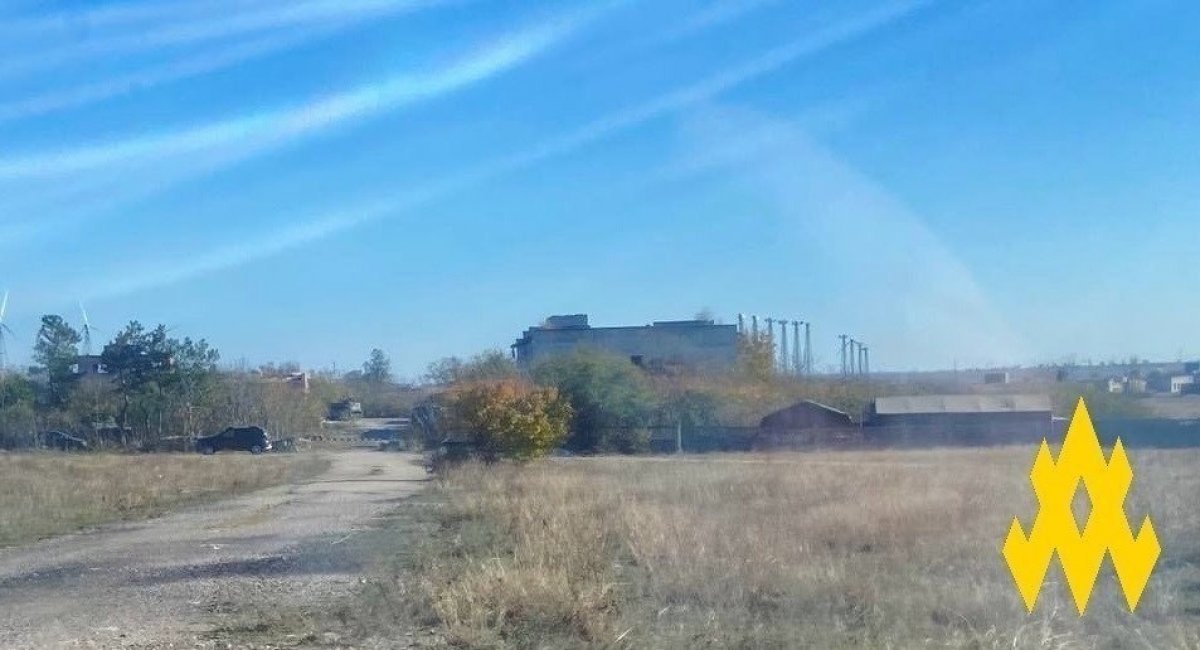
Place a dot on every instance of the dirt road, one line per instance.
(168, 582)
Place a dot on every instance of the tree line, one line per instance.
(593, 402)
(148, 384)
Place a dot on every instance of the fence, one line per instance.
(1148, 432)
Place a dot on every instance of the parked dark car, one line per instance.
(251, 439)
(63, 441)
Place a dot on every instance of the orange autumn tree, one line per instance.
(510, 418)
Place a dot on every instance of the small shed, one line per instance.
(806, 424)
(806, 414)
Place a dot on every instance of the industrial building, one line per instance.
(660, 345)
(925, 420)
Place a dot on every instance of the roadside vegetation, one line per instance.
(148, 388)
(48, 494)
(158, 389)
(850, 549)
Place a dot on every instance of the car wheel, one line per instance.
(256, 450)
(208, 451)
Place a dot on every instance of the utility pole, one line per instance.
(771, 337)
(783, 346)
(843, 337)
(796, 347)
(808, 360)
(867, 360)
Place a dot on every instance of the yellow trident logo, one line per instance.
(1107, 529)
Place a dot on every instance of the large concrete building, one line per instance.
(663, 344)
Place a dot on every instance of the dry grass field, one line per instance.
(858, 549)
(43, 494)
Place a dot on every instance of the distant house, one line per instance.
(999, 377)
(297, 380)
(662, 344)
(1182, 384)
(89, 365)
(958, 419)
(1131, 385)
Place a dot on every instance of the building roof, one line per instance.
(913, 404)
(809, 404)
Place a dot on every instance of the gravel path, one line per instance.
(167, 582)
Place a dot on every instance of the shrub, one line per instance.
(607, 394)
(510, 418)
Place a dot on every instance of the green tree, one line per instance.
(611, 398)
(56, 351)
(17, 417)
(689, 408)
(510, 418)
(191, 381)
(490, 365)
(15, 389)
(138, 361)
(378, 368)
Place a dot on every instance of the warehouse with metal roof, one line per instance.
(929, 420)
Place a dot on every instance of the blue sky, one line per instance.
(961, 183)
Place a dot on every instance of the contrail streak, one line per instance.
(308, 13)
(253, 133)
(316, 229)
(69, 23)
(89, 93)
